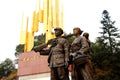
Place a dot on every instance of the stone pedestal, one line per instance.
(32, 64)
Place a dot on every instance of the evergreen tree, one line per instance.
(106, 64)
(19, 49)
(6, 68)
(110, 32)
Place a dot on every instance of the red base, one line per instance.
(32, 63)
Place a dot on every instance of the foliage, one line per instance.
(110, 32)
(99, 46)
(6, 68)
(105, 53)
(39, 39)
(107, 66)
(19, 49)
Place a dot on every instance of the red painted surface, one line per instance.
(32, 63)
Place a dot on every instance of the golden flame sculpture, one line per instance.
(48, 12)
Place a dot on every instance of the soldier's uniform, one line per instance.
(57, 59)
(80, 72)
(58, 56)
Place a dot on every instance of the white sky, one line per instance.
(85, 14)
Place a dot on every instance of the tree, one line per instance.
(106, 63)
(19, 49)
(99, 46)
(6, 68)
(110, 32)
(39, 39)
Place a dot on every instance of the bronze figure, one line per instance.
(58, 55)
(79, 50)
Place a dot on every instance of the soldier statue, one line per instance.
(91, 70)
(86, 35)
(78, 53)
(58, 55)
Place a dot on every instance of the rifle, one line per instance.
(67, 36)
(53, 42)
(39, 47)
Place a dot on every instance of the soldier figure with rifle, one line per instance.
(58, 55)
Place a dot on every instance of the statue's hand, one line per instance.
(33, 49)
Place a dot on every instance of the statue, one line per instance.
(58, 55)
(86, 35)
(78, 52)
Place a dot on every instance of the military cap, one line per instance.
(58, 28)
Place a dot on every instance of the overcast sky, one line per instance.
(85, 14)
